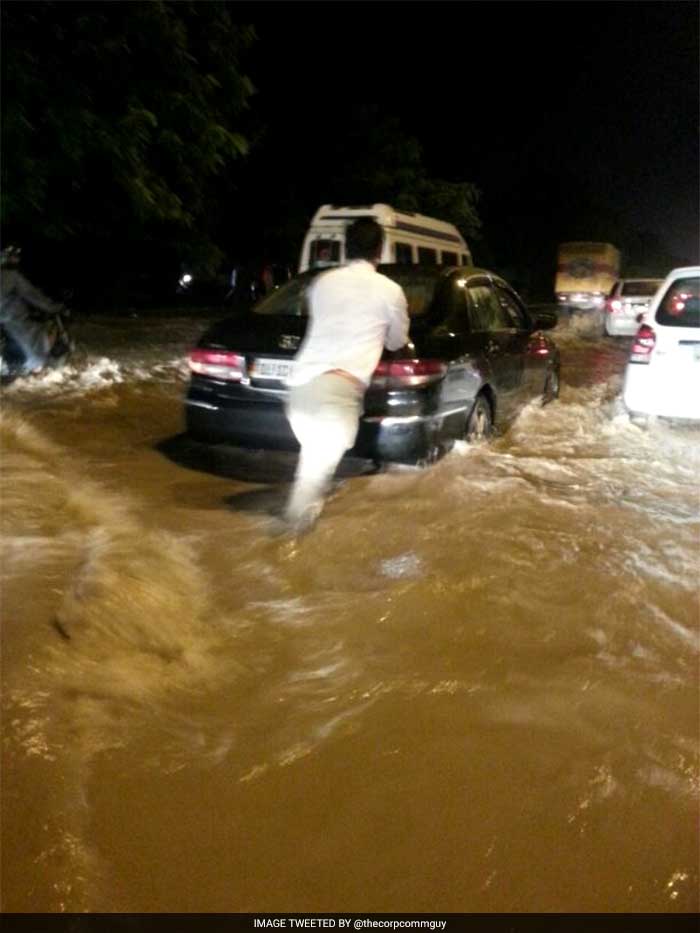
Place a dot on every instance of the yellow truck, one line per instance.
(586, 273)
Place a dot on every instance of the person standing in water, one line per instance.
(354, 312)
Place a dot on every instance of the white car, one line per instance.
(628, 299)
(663, 373)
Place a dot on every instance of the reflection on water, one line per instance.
(472, 688)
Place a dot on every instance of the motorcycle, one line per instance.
(61, 347)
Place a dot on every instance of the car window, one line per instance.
(455, 295)
(511, 306)
(403, 253)
(426, 256)
(640, 288)
(419, 287)
(486, 311)
(419, 296)
(680, 306)
(289, 299)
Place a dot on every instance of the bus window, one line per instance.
(449, 259)
(427, 257)
(403, 253)
(465, 260)
(324, 253)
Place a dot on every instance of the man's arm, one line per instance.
(397, 333)
(34, 297)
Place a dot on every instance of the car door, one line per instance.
(497, 339)
(524, 345)
(453, 340)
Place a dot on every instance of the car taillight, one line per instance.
(643, 345)
(614, 304)
(217, 364)
(538, 346)
(406, 373)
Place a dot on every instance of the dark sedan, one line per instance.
(476, 357)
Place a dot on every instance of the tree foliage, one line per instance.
(124, 125)
(375, 159)
(118, 117)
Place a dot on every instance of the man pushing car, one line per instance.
(354, 312)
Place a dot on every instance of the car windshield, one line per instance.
(419, 287)
(680, 306)
(644, 288)
(290, 299)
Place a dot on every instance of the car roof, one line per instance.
(642, 278)
(432, 269)
(406, 271)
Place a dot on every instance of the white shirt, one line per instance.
(354, 312)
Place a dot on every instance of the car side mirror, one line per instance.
(544, 320)
(640, 317)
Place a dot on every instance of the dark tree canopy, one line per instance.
(119, 118)
(377, 160)
(125, 127)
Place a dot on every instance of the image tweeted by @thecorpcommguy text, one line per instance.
(346, 923)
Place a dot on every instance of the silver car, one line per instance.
(628, 299)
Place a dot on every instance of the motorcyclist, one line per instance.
(24, 310)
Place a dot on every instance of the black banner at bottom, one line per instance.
(381, 923)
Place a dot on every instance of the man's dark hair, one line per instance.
(363, 239)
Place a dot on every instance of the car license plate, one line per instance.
(269, 369)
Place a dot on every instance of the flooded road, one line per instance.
(471, 688)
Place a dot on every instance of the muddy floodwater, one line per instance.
(471, 688)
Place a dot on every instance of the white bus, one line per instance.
(408, 238)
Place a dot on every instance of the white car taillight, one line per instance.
(643, 345)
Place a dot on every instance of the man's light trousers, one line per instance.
(324, 414)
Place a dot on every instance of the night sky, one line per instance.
(576, 121)
(560, 112)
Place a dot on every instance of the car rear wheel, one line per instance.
(480, 421)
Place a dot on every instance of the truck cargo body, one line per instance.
(586, 273)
